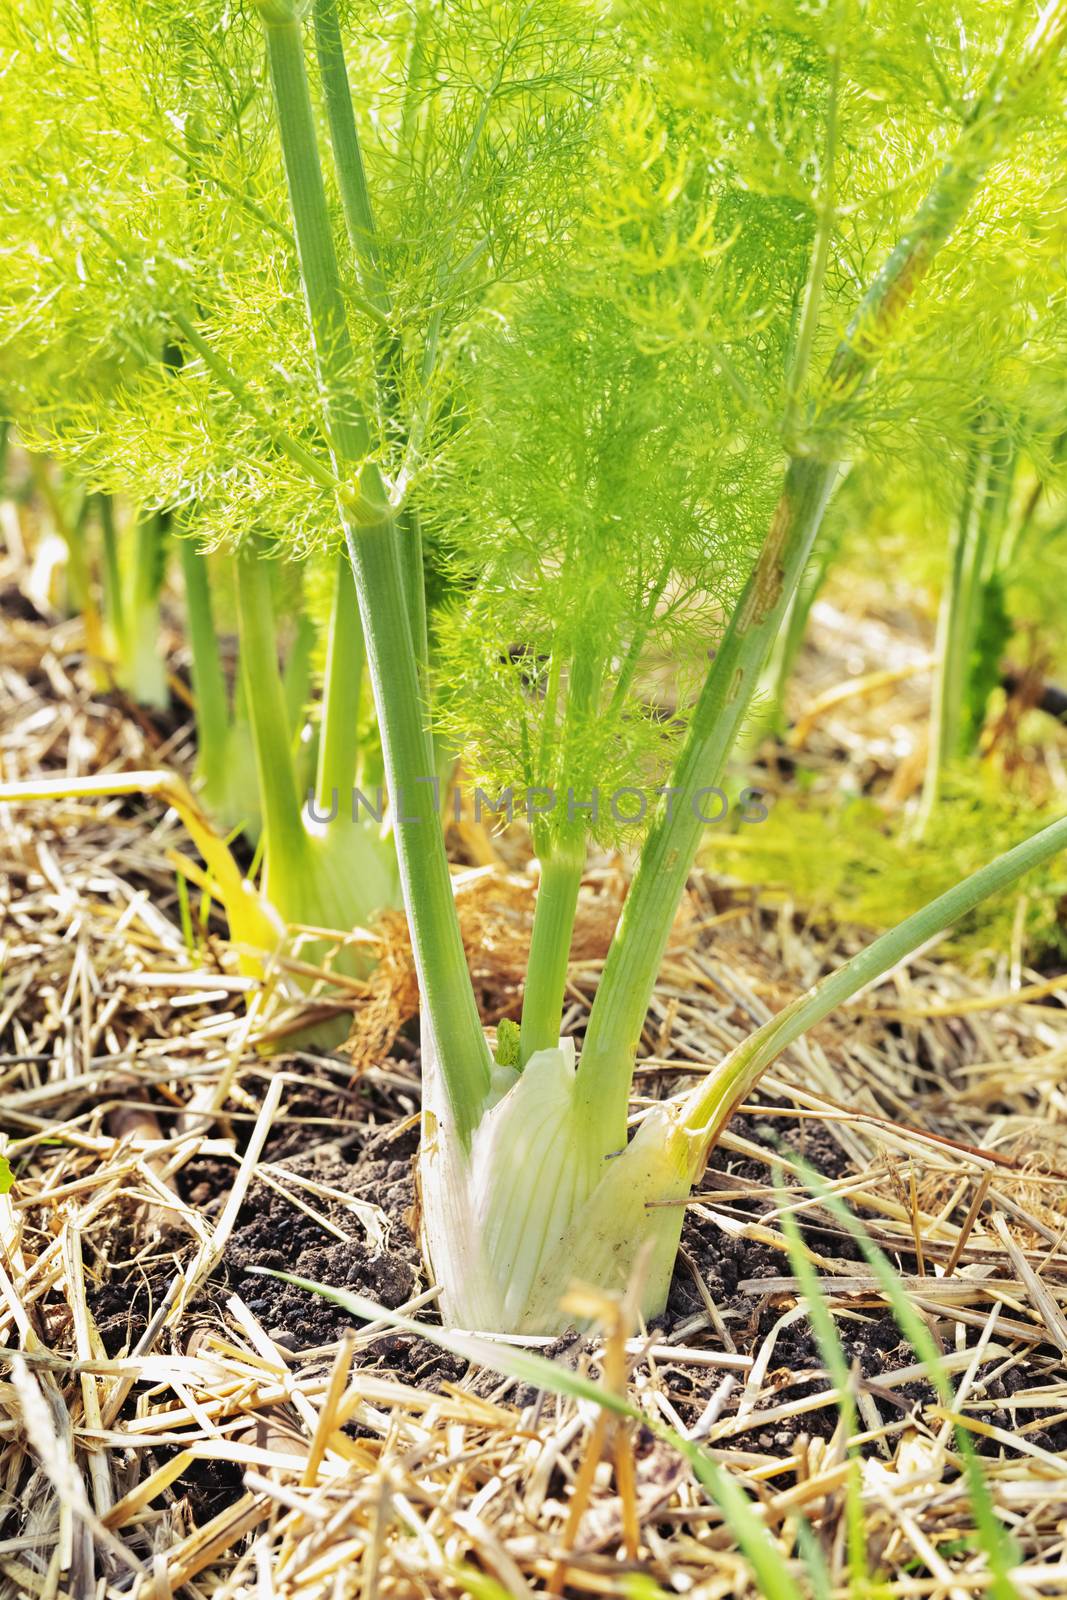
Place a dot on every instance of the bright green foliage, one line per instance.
(621, 531)
(986, 528)
(817, 269)
(861, 103)
(144, 188)
(154, 329)
(849, 862)
(644, 400)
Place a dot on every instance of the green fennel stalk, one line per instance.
(561, 853)
(265, 701)
(370, 530)
(141, 668)
(974, 559)
(550, 945)
(114, 607)
(363, 238)
(348, 157)
(335, 772)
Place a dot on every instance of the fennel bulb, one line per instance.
(510, 1223)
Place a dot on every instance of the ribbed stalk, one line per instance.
(347, 428)
(114, 606)
(335, 774)
(550, 948)
(448, 998)
(209, 681)
(640, 941)
(561, 855)
(347, 155)
(363, 237)
(413, 578)
(285, 837)
(449, 1007)
(621, 1002)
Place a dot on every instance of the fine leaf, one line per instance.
(998, 1546)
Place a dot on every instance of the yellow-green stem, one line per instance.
(550, 948)
(449, 1007)
(707, 1107)
(335, 774)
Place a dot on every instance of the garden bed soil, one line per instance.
(928, 1099)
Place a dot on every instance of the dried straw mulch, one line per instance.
(128, 1054)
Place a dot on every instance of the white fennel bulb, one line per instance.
(510, 1224)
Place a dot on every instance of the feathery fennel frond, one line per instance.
(617, 538)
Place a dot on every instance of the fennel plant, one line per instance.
(109, 293)
(527, 1175)
(665, 271)
(991, 529)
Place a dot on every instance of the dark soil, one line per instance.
(272, 1233)
(376, 1164)
(18, 606)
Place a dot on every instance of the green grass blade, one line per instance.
(822, 1586)
(479, 1585)
(837, 1365)
(997, 1544)
(773, 1578)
